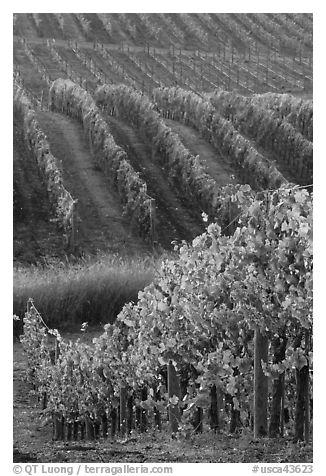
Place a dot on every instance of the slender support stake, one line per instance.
(173, 391)
(123, 411)
(260, 385)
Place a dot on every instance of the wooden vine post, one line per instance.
(104, 425)
(113, 417)
(58, 427)
(157, 415)
(214, 410)
(58, 420)
(143, 412)
(123, 411)
(307, 393)
(89, 427)
(276, 422)
(130, 410)
(301, 426)
(174, 394)
(301, 430)
(260, 385)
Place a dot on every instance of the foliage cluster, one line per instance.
(296, 111)
(200, 313)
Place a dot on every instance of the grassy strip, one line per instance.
(92, 291)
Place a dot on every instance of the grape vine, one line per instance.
(200, 313)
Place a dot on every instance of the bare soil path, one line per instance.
(177, 218)
(214, 162)
(101, 223)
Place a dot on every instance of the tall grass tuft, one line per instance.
(92, 291)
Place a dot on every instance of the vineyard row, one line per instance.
(199, 72)
(274, 134)
(69, 98)
(231, 315)
(37, 143)
(282, 32)
(185, 170)
(251, 166)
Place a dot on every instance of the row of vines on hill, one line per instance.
(291, 32)
(71, 99)
(35, 102)
(251, 166)
(197, 72)
(263, 28)
(185, 170)
(268, 131)
(296, 111)
(232, 315)
(36, 62)
(65, 66)
(61, 200)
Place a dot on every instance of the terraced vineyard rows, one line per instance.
(38, 63)
(101, 222)
(258, 71)
(175, 219)
(206, 30)
(291, 151)
(167, 161)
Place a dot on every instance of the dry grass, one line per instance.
(92, 290)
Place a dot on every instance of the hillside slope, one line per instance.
(177, 219)
(101, 225)
(35, 236)
(201, 30)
